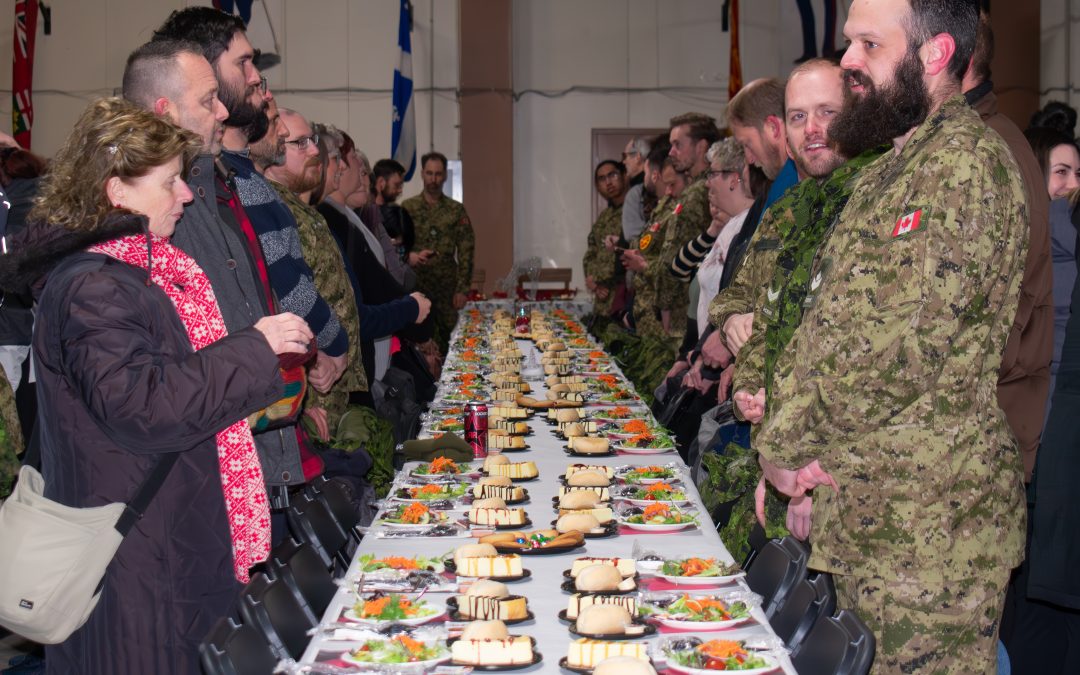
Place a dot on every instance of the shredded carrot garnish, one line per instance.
(399, 563)
(659, 487)
(636, 427)
(375, 607)
(444, 465)
(414, 513)
(722, 649)
(656, 510)
(694, 566)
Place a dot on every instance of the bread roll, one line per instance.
(495, 460)
(582, 522)
(496, 480)
(473, 551)
(588, 479)
(598, 577)
(603, 620)
(485, 630)
(579, 499)
(490, 503)
(488, 589)
(623, 665)
(591, 446)
(567, 415)
(573, 429)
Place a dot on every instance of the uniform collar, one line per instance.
(953, 106)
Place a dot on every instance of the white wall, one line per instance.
(337, 45)
(1060, 50)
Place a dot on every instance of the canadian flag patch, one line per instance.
(907, 224)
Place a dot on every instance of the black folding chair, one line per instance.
(311, 522)
(836, 645)
(757, 541)
(236, 649)
(271, 607)
(807, 602)
(338, 498)
(300, 567)
(780, 565)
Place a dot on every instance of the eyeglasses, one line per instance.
(262, 84)
(302, 142)
(608, 176)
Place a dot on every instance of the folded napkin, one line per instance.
(448, 445)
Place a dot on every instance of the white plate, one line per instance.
(702, 625)
(414, 526)
(435, 477)
(351, 615)
(774, 665)
(674, 527)
(701, 581)
(425, 665)
(646, 481)
(631, 450)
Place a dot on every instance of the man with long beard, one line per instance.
(885, 398)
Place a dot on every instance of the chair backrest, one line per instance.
(236, 649)
(311, 522)
(338, 497)
(300, 567)
(269, 605)
(550, 275)
(779, 566)
(837, 645)
(757, 540)
(808, 601)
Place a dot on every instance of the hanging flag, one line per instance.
(735, 69)
(243, 7)
(22, 73)
(403, 128)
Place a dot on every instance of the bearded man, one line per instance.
(886, 396)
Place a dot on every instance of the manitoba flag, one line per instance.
(22, 73)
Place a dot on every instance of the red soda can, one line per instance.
(476, 428)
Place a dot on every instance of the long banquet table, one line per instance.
(545, 598)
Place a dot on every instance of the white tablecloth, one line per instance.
(545, 598)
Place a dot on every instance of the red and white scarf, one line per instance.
(241, 474)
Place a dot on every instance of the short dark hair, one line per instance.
(658, 153)
(701, 126)
(1043, 140)
(433, 155)
(756, 102)
(207, 27)
(1056, 115)
(16, 163)
(151, 68)
(384, 168)
(958, 18)
(619, 166)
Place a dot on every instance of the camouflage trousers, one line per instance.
(951, 627)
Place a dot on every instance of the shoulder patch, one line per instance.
(907, 224)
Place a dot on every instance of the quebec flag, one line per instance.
(403, 130)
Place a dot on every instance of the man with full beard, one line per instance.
(886, 395)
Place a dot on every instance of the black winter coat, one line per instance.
(118, 387)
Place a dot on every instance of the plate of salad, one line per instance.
(647, 443)
(413, 515)
(660, 518)
(631, 428)
(653, 493)
(705, 612)
(400, 649)
(394, 607)
(729, 655)
(440, 467)
(646, 475)
(433, 491)
(369, 563)
(699, 571)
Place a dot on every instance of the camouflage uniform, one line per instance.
(445, 228)
(332, 281)
(11, 440)
(890, 381)
(599, 262)
(691, 219)
(646, 304)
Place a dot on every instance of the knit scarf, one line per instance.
(815, 207)
(181, 278)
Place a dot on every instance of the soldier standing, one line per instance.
(443, 253)
(885, 398)
(600, 264)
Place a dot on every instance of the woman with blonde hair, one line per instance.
(135, 368)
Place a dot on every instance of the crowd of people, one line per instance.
(852, 307)
(200, 272)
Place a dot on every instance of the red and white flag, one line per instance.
(22, 73)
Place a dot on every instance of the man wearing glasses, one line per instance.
(633, 213)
